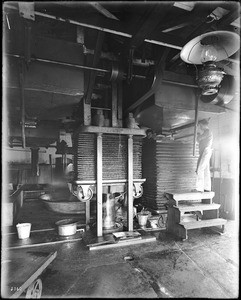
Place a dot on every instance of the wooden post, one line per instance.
(85, 108)
(99, 184)
(86, 113)
(130, 184)
(119, 108)
(114, 105)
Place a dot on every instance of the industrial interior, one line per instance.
(101, 151)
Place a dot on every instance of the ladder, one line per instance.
(191, 210)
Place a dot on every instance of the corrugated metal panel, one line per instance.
(85, 156)
(167, 166)
(114, 153)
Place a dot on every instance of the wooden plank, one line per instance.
(146, 239)
(99, 185)
(197, 207)
(192, 196)
(228, 19)
(39, 238)
(85, 107)
(110, 130)
(108, 181)
(130, 184)
(24, 268)
(148, 23)
(204, 223)
(102, 10)
(114, 27)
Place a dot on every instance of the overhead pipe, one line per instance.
(98, 69)
(72, 65)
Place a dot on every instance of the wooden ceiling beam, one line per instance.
(227, 19)
(103, 11)
(113, 27)
(181, 25)
(148, 23)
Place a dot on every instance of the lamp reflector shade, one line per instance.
(226, 44)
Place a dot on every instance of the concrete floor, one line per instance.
(204, 266)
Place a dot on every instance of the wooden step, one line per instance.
(190, 196)
(204, 223)
(197, 207)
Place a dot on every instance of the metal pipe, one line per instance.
(60, 63)
(22, 105)
(97, 69)
(180, 83)
(71, 65)
(196, 123)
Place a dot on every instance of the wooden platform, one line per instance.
(111, 130)
(178, 197)
(191, 196)
(21, 268)
(205, 213)
(39, 238)
(197, 207)
(108, 241)
(204, 223)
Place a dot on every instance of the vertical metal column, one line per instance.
(87, 214)
(196, 123)
(99, 184)
(130, 184)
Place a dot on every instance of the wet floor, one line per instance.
(204, 266)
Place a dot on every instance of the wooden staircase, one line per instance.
(192, 210)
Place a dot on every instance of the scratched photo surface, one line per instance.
(120, 149)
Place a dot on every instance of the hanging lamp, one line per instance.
(206, 50)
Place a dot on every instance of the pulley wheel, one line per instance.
(80, 194)
(162, 221)
(34, 291)
(116, 74)
(139, 193)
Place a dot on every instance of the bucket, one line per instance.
(154, 222)
(23, 230)
(66, 227)
(142, 219)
